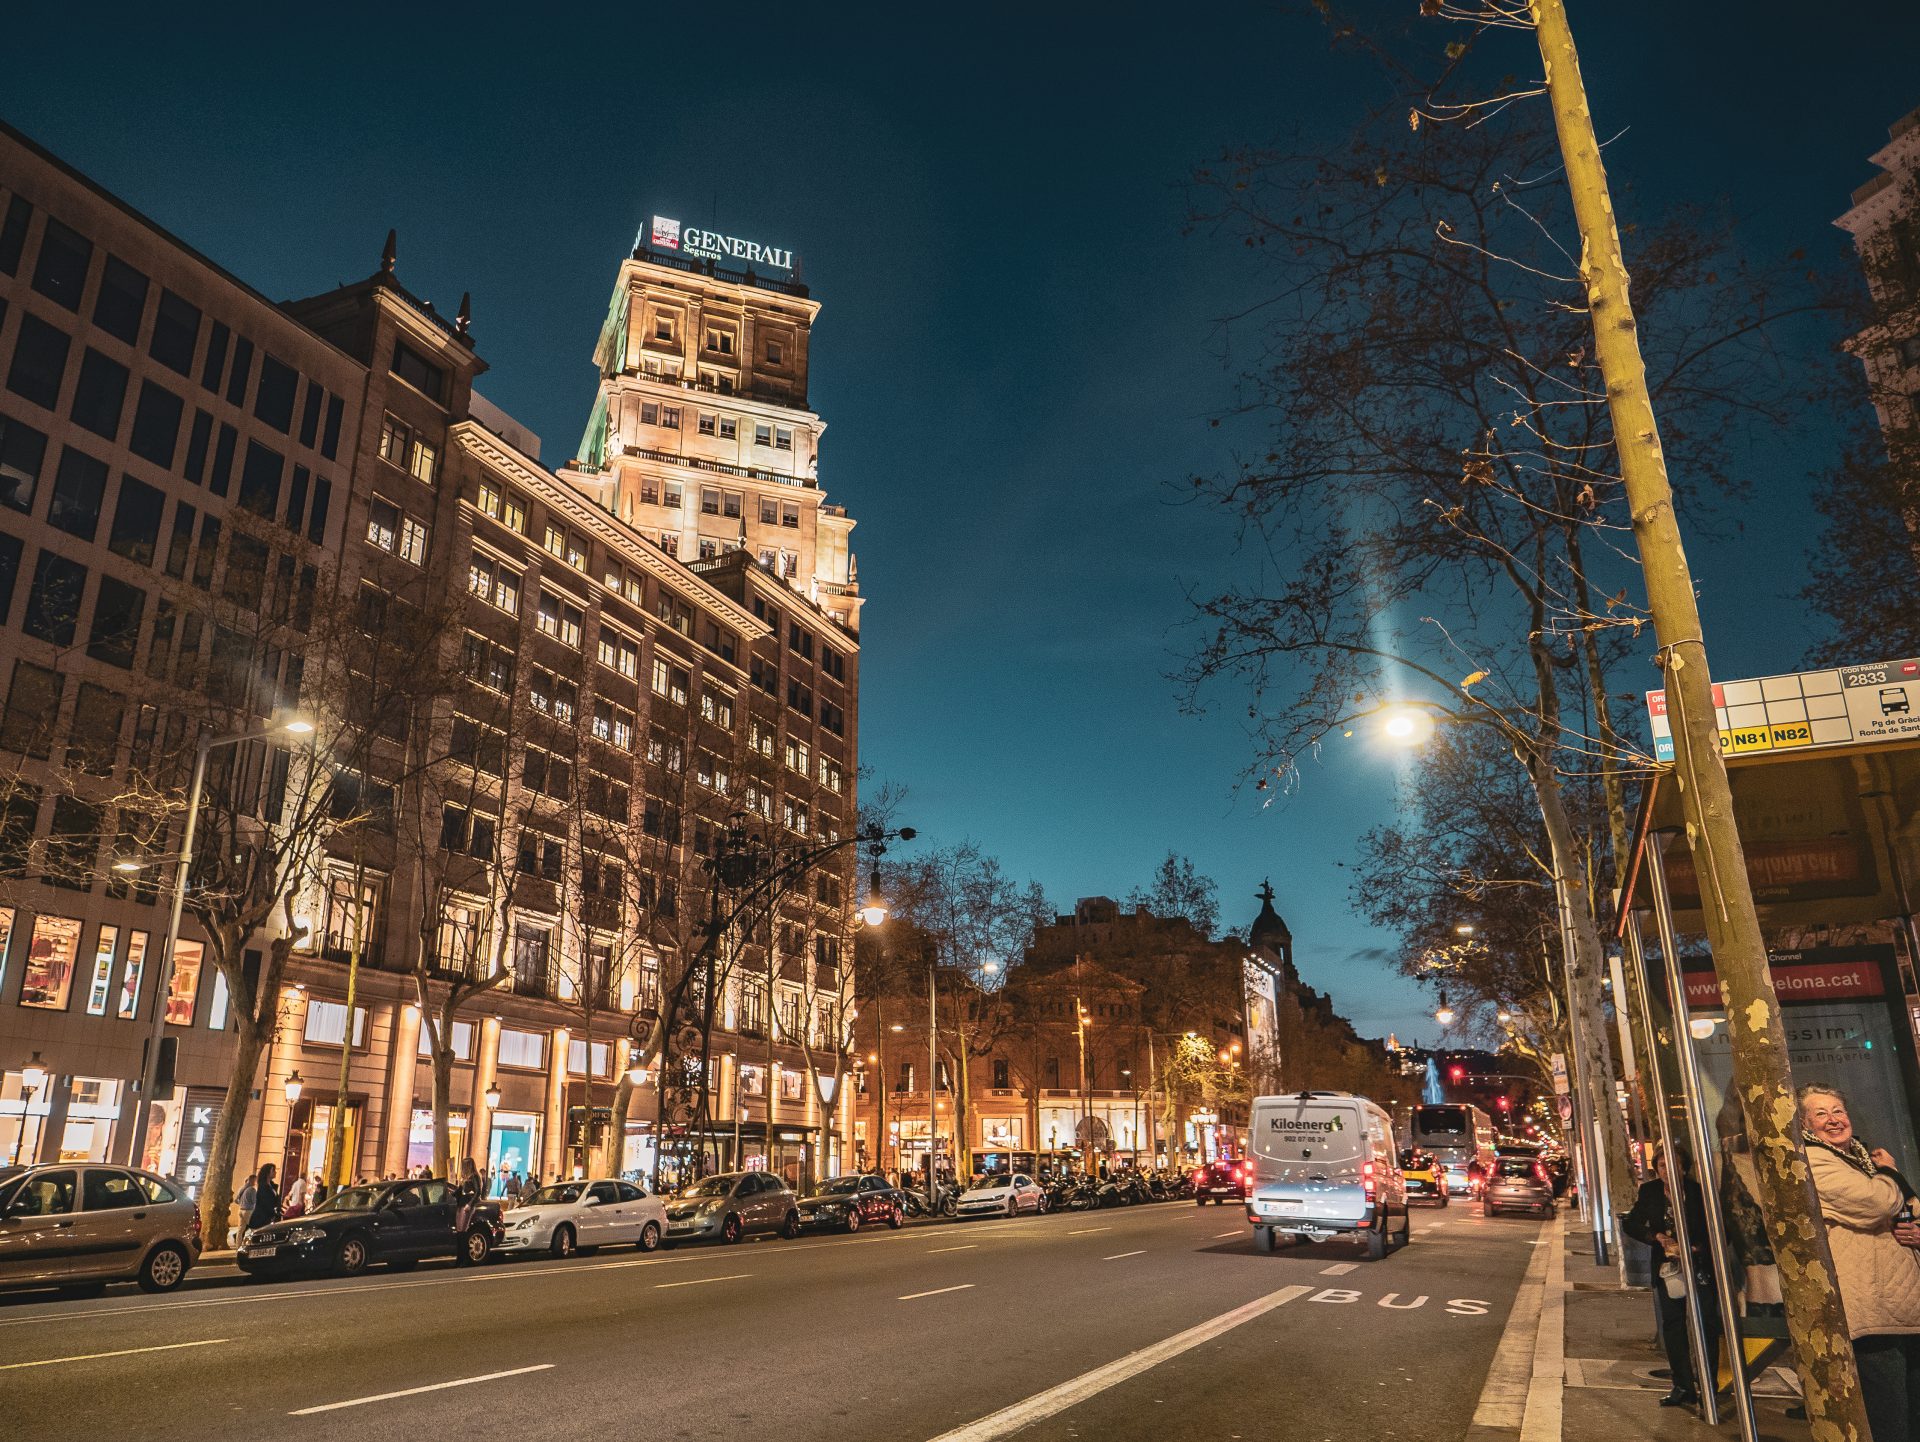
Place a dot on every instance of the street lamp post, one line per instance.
(33, 1076)
(183, 864)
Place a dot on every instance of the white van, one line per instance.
(1324, 1165)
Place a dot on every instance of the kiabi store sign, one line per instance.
(712, 245)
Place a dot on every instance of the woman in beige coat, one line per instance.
(1875, 1241)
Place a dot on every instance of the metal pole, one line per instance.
(933, 1083)
(27, 1094)
(1696, 1324)
(162, 967)
(1706, 1154)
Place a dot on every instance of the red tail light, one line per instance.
(1366, 1178)
(193, 1227)
(1540, 1174)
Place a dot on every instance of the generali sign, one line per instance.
(668, 234)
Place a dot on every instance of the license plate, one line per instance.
(1284, 1205)
(261, 1251)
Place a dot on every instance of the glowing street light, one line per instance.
(1444, 1013)
(294, 1083)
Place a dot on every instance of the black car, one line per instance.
(1221, 1182)
(846, 1204)
(398, 1223)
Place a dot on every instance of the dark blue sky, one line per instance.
(1014, 354)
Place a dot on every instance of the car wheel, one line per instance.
(1043, 1206)
(1266, 1238)
(730, 1230)
(1406, 1227)
(565, 1241)
(164, 1268)
(790, 1228)
(853, 1221)
(475, 1248)
(350, 1256)
(896, 1219)
(1199, 1201)
(1377, 1241)
(1488, 1209)
(1013, 1207)
(649, 1237)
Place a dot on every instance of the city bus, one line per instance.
(1461, 1139)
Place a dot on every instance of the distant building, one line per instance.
(1884, 221)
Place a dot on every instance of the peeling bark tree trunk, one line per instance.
(216, 1200)
(1762, 1074)
(441, 1060)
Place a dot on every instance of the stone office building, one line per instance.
(180, 455)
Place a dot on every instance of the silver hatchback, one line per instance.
(79, 1226)
(1517, 1184)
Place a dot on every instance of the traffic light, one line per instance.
(1503, 1103)
(1456, 1073)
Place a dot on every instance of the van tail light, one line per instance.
(1366, 1178)
(1540, 1174)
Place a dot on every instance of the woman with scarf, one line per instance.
(1875, 1241)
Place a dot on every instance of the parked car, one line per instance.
(1001, 1194)
(80, 1227)
(846, 1204)
(569, 1217)
(1220, 1182)
(396, 1223)
(1324, 1165)
(1426, 1178)
(732, 1205)
(1517, 1184)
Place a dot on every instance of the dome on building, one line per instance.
(1268, 930)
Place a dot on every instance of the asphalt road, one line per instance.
(1146, 1322)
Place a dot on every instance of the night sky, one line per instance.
(1016, 353)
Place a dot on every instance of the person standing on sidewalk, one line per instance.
(266, 1199)
(1869, 1211)
(1651, 1221)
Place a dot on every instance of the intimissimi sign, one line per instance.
(712, 245)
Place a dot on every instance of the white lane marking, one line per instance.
(1072, 1392)
(1234, 1233)
(97, 1356)
(416, 1391)
(1546, 1388)
(701, 1281)
(1338, 1269)
(1089, 1231)
(1121, 1256)
(1503, 1400)
(937, 1291)
(969, 1247)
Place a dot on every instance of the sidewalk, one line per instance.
(1576, 1361)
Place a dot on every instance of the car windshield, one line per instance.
(840, 1186)
(351, 1199)
(560, 1195)
(1515, 1167)
(986, 1183)
(711, 1187)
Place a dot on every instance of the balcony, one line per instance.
(699, 463)
(710, 267)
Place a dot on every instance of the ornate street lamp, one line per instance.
(292, 1087)
(1444, 1013)
(33, 1076)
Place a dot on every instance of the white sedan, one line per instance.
(1002, 1196)
(566, 1217)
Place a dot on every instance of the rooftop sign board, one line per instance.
(668, 234)
(1847, 706)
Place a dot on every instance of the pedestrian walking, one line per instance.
(243, 1204)
(1651, 1221)
(1875, 1241)
(266, 1198)
(317, 1190)
(470, 1191)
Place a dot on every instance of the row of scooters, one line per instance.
(1084, 1192)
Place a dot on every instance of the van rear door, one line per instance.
(1308, 1154)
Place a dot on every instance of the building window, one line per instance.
(327, 1024)
(130, 972)
(558, 619)
(183, 987)
(782, 439)
(763, 435)
(716, 708)
(122, 300)
(60, 273)
(419, 372)
(51, 958)
(506, 506)
(526, 1050)
(495, 583)
(729, 428)
(344, 923)
(720, 342)
(775, 353)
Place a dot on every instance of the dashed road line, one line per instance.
(1236, 1232)
(99, 1356)
(702, 1281)
(416, 1391)
(969, 1247)
(1338, 1269)
(936, 1292)
(1121, 1256)
(1089, 1231)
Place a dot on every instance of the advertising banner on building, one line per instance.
(199, 1116)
